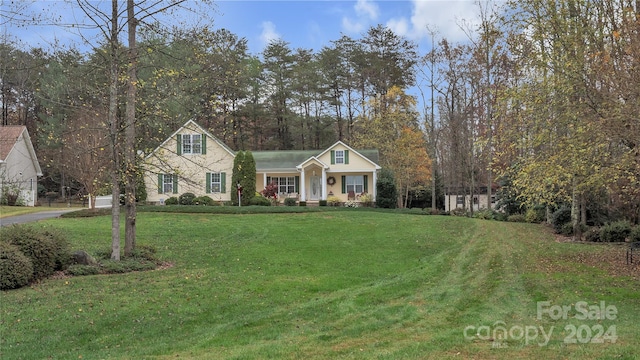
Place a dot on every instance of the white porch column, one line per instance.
(324, 184)
(264, 180)
(374, 178)
(303, 192)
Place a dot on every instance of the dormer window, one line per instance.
(340, 157)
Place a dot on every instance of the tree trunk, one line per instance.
(113, 134)
(575, 212)
(131, 168)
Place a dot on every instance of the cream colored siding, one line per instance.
(191, 169)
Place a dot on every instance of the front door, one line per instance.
(315, 188)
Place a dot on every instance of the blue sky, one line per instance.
(307, 24)
(313, 24)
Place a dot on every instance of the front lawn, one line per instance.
(327, 285)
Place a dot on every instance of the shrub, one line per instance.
(635, 234)
(535, 215)
(322, 203)
(61, 246)
(566, 229)
(47, 249)
(186, 199)
(16, 270)
(171, 201)
(593, 234)
(125, 266)
(615, 231)
(290, 202)
(486, 214)
(85, 213)
(104, 253)
(144, 252)
(458, 212)
(561, 217)
(302, 203)
(333, 201)
(500, 216)
(260, 201)
(366, 200)
(516, 218)
(83, 270)
(387, 193)
(203, 200)
(270, 191)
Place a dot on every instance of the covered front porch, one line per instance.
(338, 174)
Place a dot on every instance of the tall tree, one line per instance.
(278, 64)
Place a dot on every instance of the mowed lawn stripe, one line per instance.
(304, 286)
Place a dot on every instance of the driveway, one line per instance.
(25, 218)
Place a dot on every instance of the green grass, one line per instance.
(319, 285)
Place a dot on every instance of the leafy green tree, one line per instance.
(386, 192)
(248, 179)
(244, 174)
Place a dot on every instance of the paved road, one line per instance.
(25, 218)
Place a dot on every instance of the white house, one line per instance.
(19, 167)
(193, 160)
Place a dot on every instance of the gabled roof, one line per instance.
(9, 136)
(277, 160)
(372, 158)
(200, 128)
(290, 159)
(312, 160)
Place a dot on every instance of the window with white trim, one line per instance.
(355, 183)
(191, 143)
(167, 183)
(286, 184)
(216, 182)
(339, 157)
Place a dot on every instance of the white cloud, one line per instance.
(366, 11)
(352, 26)
(444, 17)
(268, 33)
(399, 26)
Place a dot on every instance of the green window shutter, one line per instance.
(208, 184)
(333, 157)
(297, 189)
(160, 183)
(346, 157)
(179, 141)
(204, 144)
(344, 184)
(366, 183)
(175, 184)
(223, 182)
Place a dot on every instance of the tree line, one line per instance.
(540, 104)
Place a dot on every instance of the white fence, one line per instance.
(102, 202)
